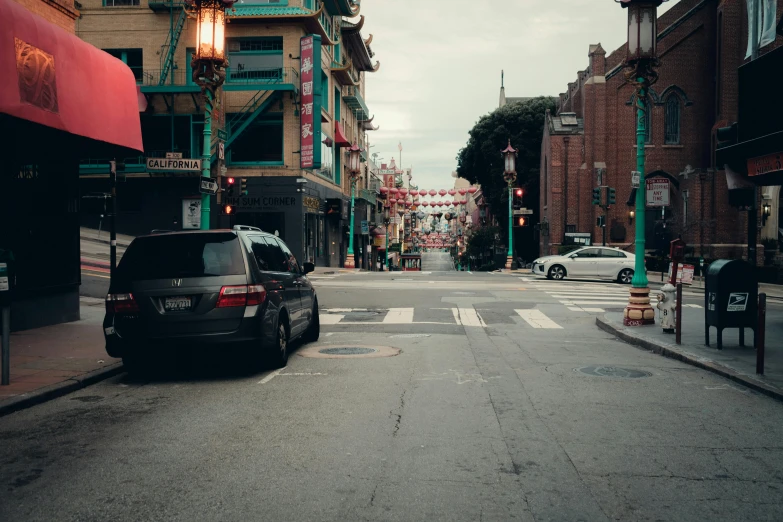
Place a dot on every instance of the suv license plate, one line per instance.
(174, 304)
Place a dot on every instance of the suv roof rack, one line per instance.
(247, 227)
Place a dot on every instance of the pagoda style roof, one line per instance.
(358, 47)
(368, 126)
(343, 72)
(349, 8)
(311, 19)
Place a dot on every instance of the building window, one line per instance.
(570, 229)
(672, 120)
(132, 58)
(261, 142)
(255, 59)
(325, 90)
(326, 169)
(120, 3)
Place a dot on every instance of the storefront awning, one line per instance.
(339, 136)
(53, 78)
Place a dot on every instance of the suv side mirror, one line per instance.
(308, 267)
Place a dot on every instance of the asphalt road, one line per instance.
(490, 411)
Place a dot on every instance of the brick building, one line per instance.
(591, 140)
(259, 115)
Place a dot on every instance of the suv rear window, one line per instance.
(186, 255)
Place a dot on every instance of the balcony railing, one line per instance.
(353, 98)
(275, 75)
(175, 77)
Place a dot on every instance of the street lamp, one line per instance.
(640, 62)
(510, 175)
(386, 222)
(208, 65)
(354, 166)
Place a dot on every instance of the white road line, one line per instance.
(537, 319)
(575, 309)
(270, 376)
(344, 309)
(399, 316)
(597, 310)
(469, 317)
(455, 311)
(605, 303)
(330, 318)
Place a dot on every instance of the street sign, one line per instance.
(523, 211)
(208, 186)
(221, 150)
(658, 192)
(222, 135)
(365, 227)
(174, 155)
(636, 177)
(169, 164)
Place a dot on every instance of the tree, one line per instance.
(480, 246)
(480, 160)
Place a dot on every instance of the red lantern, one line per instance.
(392, 201)
(472, 189)
(425, 203)
(414, 192)
(442, 192)
(394, 190)
(432, 192)
(404, 191)
(452, 192)
(384, 190)
(464, 202)
(462, 191)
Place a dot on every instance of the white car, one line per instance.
(589, 262)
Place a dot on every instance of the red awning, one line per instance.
(339, 136)
(53, 78)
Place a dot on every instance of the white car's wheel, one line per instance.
(557, 272)
(625, 277)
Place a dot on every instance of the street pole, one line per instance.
(349, 261)
(206, 157)
(639, 312)
(112, 220)
(510, 255)
(387, 246)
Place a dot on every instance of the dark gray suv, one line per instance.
(216, 288)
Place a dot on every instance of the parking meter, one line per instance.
(677, 255)
(7, 277)
(7, 280)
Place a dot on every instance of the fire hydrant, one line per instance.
(667, 304)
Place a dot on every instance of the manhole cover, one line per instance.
(353, 350)
(408, 336)
(347, 352)
(612, 371)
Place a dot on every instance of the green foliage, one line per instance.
(481, 242)
(480, 161)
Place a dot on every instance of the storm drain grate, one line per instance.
(347, 350)
(612, 371)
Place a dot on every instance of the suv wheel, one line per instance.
(314, 328)
(278, 354)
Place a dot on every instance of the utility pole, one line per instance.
(112, 220)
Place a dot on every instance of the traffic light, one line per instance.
(228, 186)
(597, 196)
(612, 196)
(601, 221)
(243, 187)
(228, 209)
(522, 221)
(518, 192)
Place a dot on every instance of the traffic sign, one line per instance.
(221, 150)
(523, 211)
(173, 155)
(208, 186)
(221, 134)
(658, 190)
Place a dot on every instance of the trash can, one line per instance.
(730, 298)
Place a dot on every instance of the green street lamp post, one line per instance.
(354, 165)
(510, 175)
(386, 222)
(208, 65)
(640, 63)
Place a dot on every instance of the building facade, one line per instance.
(591, 141)
(283, 139)
(48, 74)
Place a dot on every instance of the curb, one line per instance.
(92, 262)
(59, 389)
(104, 241)
(700, 362)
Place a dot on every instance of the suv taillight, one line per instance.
(121, 304)
(241, 295)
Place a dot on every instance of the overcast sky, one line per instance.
(441, 63)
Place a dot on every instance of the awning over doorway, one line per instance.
(339, 136)
(53, 78)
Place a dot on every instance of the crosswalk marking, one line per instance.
(469, 317)
(330, 318)
(537, 319)
(399, 316)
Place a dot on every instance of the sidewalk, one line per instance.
(734, 362)
(52, 361)
(95, 247)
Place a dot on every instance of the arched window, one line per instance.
(672, 120)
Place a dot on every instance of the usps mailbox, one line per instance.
(730, 298)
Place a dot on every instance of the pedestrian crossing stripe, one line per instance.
(467, 317)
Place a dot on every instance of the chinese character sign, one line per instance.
(306, 117)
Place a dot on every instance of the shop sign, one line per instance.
(191, 214)
(658, 192)
(378, 241)
(765, 164)
(179, 164)
(311, 204)
(310, 113)
(262, 203)
(365, 228)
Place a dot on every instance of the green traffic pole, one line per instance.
(350, 260)
(387, 247)
(510, 223)
(640, 274)
(206, 156)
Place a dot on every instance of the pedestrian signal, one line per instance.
(228, 210)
